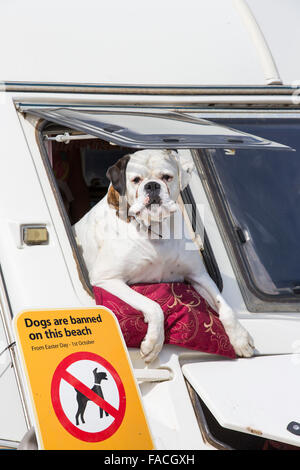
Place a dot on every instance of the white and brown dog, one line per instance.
(128, 237)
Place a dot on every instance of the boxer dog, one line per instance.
(128, 238)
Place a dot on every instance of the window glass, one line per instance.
(261, 190)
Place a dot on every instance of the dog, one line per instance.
(122, 243)
(82, 399)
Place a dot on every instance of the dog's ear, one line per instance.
(186, 167)
(117, 174)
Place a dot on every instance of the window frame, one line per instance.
(217, 136)
(254, 301)
(81, 268)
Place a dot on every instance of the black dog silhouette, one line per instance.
(82, 399)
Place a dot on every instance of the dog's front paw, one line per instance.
(241, 341)
(154, 339)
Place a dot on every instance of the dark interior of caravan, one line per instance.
(79, 167)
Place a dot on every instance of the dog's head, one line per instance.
(151, 181)
(98, 376)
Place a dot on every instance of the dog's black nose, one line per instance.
(152, 186)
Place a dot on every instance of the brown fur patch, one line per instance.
(113, 199)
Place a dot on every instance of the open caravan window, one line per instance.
(81, 144)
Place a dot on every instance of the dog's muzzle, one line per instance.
(152, 190)
(153, 203)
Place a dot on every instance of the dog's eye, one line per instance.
(166, 177)
(137, 180)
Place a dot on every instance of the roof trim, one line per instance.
(95, 88)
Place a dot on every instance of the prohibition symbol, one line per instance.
(88, 396)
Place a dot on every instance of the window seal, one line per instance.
(255, 299)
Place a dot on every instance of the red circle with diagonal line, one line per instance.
(61, 373)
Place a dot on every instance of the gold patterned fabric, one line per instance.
(189, 321)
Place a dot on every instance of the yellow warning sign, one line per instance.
(81, 382)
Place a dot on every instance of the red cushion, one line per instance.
(189, 321)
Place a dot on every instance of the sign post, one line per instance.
(80, 380)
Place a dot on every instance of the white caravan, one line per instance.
(230, 62)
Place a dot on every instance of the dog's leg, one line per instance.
(153, 315)
(82, 411)
(77, 416)
(82, 401)
(102, 413)
(238, 336)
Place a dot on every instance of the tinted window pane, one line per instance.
(262, 189)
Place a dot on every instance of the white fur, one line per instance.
(118, 253)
